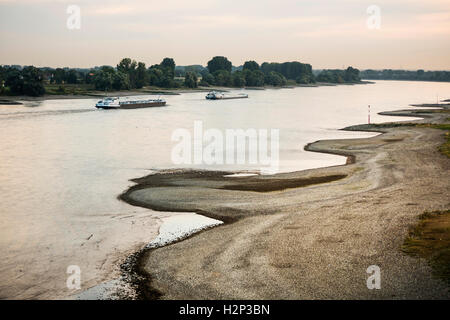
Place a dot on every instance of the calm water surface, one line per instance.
(63, 163)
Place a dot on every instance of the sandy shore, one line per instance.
(310, 234)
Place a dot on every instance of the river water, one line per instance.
(63, 163)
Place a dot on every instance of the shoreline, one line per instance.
(150, 285)
(15, 100)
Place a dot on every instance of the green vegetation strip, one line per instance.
(430, 239)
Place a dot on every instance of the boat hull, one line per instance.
(143, 105)
(226, 98)
(134, 105)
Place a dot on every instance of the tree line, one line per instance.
(129, 74)
(419, 75)
(349, 75)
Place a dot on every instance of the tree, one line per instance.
(141, 75)
(339, 76)
(254, 78)
(207, 79)
(169, 63)
(168, 67)
(72, 76)
(128, 66)
(160, 76)
(219, 63)
(351, 75)
(291, 70)
(14, 80)
(32, 81)
(275, 79)
(238, 79)
(154, 75)
(120, 81)
(104, 78)
(190, 80)
(251, 65)
(166, 81)
(420, 73)
(3, 74)
(59, 76)
(223, 78)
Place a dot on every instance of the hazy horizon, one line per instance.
(326, 34)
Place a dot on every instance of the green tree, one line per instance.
(190, 80)
(223, 78)
(339, 76)
(251, 65)
(104, 78)
(169, 63)
(238, 79)
(120, 81)
(291, 70)
(351, 75)
(219, 63)
(275, 79)
(160, 76)
(154, 73)
(141, 75)
(128, 66)
(207, 79)
(2, 79)
(14, 80)
(59, 76)
(72, 76)
(32, 81)
(254, 78)
(420, 73)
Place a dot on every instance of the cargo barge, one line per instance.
(214, 95)
(115, 103)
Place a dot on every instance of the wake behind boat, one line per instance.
(214, 95)
(115, 103)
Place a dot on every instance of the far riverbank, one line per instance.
(15, 100)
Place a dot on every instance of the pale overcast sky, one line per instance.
(327, 34)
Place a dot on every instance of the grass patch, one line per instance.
(430, 239)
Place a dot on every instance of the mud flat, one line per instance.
(310, 234)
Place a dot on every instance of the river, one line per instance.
(63, 163)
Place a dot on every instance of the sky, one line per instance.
(400, 34)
